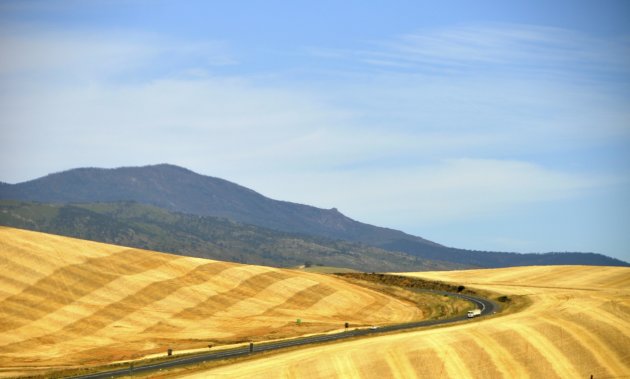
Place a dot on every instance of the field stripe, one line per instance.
(453, 365)
(592, 352)
(221, 301)
(22, 272)
(70, 283)
(604, 315)
(502, 359)
(617, 340)
(376, 305)
(523, 351)
(303, 299)
(479, 361)
(424, 363)
(551, 353)
(344, 367)
(110, 293)
(399, 365)
(133, 302)
(24, 268)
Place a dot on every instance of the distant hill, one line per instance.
(147, 227)
(177, 189)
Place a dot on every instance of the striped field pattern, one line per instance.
(66, 302)
(578, 325)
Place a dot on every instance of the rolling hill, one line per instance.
(66, 302)
(176, 189)
(578, 325)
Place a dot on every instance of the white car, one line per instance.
(373, 327)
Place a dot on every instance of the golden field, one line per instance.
(578, 324)
(66, 302)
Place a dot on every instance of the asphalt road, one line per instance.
(487, 307)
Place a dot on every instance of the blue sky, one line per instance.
(484, 125)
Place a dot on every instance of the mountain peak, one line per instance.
(165, 166)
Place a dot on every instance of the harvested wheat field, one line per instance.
(577, 325)
(67, 302)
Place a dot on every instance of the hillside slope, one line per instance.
(147, 227)
(65, 301)
(180, 190)
(577, 326)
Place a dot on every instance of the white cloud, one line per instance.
(436, 193)
(61, 56)
(220, 124)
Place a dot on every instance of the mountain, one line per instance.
(147, 227)
(177, 189)
(180, 190)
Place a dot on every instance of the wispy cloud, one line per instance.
(527, 49)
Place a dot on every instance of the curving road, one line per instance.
(487, 307)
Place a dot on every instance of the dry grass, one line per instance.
(325, 269)
(578, 324)
(67, 302)
(433, 306)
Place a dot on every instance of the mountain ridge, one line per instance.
(177, 189)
